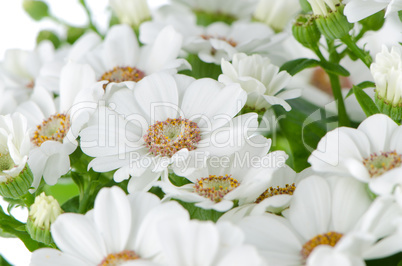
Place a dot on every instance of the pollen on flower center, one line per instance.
(120, 74)
(378, 164)
(229, 41)
(30, 85)
(54, 128)
(6, 162)
(330, 238)
(116, 259)
(215, 187)
(168, 137)
(288, 189)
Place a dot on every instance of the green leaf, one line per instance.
(200, 213)
(362, 85)
(3, 261)
(178, 181)
(71, 205)
(303, 126)
(334, 68)
(47, 35)
(73, 33)
(393, 260)
(295, 66)
(400, 15)
(366, 103)
(37, 10)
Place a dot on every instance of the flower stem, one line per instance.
(336, 90)
(364, 56)
(91, 23)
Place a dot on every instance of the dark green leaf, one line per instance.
(3, 261)
(71, 205)
(334, 68)
(366, 103)
(199, 213)
(388, 261)
(178, 181)
(400, 15)
(295, 66)
(74, 33)
(303, 126)
(363, 85)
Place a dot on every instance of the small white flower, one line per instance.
(356, 10)
(119, 229)
(264, 84)
(14, 145)
(166, 122)
(131, 12)
(387, 73)
(372, 153)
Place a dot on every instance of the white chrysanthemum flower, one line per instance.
(320, 7)
(166, 122)
(120, 59)
(219, 40)
(238, 9)
(14, 145)
(276, 14)
(228, 178)
(273, 195)
(131, 12)
(120, 229)
(54, 124)
(192, 242)
(335, 213)
(264, 84)
(372, 153)
(356, 10)
(387, 73)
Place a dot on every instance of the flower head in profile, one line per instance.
(166, 122)
(372, 153)
(262, 80)
(119, 229)
(131, 12)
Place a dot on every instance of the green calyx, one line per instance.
(17, 186)
(335, 25)
(385, 107)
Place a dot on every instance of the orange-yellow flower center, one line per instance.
(168, 137)
(54, 128)
(288, 189)
(215, 187)
(116, 259)
(120, 74)
(378, 164)
(330, 238)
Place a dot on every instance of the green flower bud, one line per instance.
(334, 25)
(37, 10)
(42, 214)
(18, 186)
(49, 36)
(305, 31)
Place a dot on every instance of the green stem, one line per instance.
(365, 57)
(91, 23)
(337, 91)
(28, 199)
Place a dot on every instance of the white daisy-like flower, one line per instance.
(264, 84)
(14, 145)
(238, 9)
(356, 10)
(321, 213)
(23, 70)
(53, 125)
(190, 242)
(166, 122)
(131, 12)
(228, 178)
(387, 73)
(372, 153)
(120, 59)
(120, 229)
(220, 40)
(273, 195)
(276, 14)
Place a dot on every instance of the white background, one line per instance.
(18, 31)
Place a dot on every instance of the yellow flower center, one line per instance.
(116, 259)
(54, 128)
(120, 74)
(330, 238)
(288, 189)
(168, 137)
(215, 187)
(378, 164)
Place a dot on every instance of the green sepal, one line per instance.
(18, 186)
(40, 234)
(335, 25)
(393, 111)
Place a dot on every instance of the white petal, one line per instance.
(50, 257)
